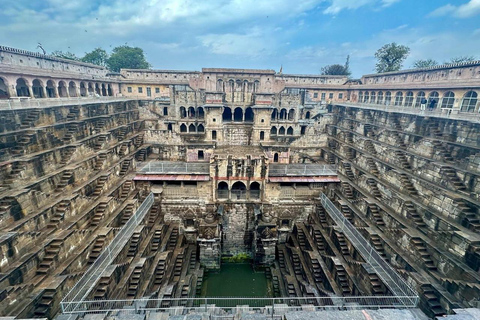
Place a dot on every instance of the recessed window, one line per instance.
(330, 96)
(315, 95)
(157, 90)
(129, 89)
(140, 90)
(263, 120)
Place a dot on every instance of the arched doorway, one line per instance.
(238, 115)
(91, 89)
(191, 128)
(200, 113)
(283, 114)
(97, 89)
(249, 115)
(201, 128)
(227, 114)
(62, 89)
(51, 89)
(275, 157)
(72, 89)
(255, 190)
(183, 127)
(37, 89)
(3, 89)
(83, 89)
(307, 115)
(22, 88)
(222, 190)
(239, 191)
(290, 131)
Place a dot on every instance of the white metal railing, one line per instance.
(441, 113)
(397, 285)
(172, 167)
(232, 305)
(82, 288)
(309, 169)
(28, 103)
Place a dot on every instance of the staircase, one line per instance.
(100, 161)
(156, 240)
(301, 238)
(407, 184)
(193, 259)
(172, 241)
(297, 266)
(372, 166)
(127, 214)
(138, 141)
(433, 130)
(342, 243)
(378, 245)
(123, 150)
(160, 272)
(348, 170)
(64, 180)
(402, 159)
(125, 190)
(99, 125)
(51, 254)
(70, 133)
(376, 215)
(59, 214)
(348, 153)
(369, 130)
(134, 282)
(17, 168)
(432, 301)
(317, 236)
(374, 188)
(370, 147)
(342, 279)
(132, 250)
(331, 158)
(42, 307)
(99, 214)
(67, 154)
(442, 150)
(322, 215)
(469, 217)
(74, 113)
(177, 269)
(141, 155)
(317, 272)
(102, 289)
(97, 248)
(122, 132)
(419, 245)
(347, 213)
(99, 187)
(125, 167)
(413, 214)
(378, 289)
(451, 175)
(347, 190)
(349, 137)
(21, 144)
(152, 215)
(29, 120)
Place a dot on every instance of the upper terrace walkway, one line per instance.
(28, 103)
(437, 113)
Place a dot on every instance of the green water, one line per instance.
(236, 280)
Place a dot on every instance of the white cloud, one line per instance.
(338, 5)
(467, 10)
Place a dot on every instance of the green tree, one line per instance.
(337, 69)
(98, 56)
(461, 59)
(425, 63)
(128, 58)
(64, 55)
(390, 57)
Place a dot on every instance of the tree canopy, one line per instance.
(337, 69)
(64, 55)
(127, 57)
(98, 56)
(424, 63)
(390, 57)
(461, 59)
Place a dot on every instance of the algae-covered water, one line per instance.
(236, 280)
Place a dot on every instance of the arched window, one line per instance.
(399, 98)
(274, 114)
(91, 89)
(4, 89)
(22, 88)
(275, 157)
(448, 100)
(83, 89)
(183, 127)
(201, 128)
(307, 115)
(273, 131)
(37, 89)
(249, 115)
(170, 127)
(109, 90)
(227, 114)
(360, 96)
(72, 89)
(51, 89)
(291, 114)
(183, 112)
(62, 89)
(418, 100)
(409, 99)
(433, 99)
(372, 97)
(290, 131)
(222, 190)
(239, 191)
(97, 89)
(191, 112)
(262, 135)
(255, 190)
(388, 98)
(366, 98)
(238, 115)
(380, 97)
(281, 131)
(283, 114)
(256, 86)
(231, 84)
(220, 85)
(200, 113)
(191, 128)
(104, 90)
(469, 101)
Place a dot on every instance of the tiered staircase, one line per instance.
(99, 214)
(317, 236)
(125, 167)
(141, 155)
(71, 129)
(348, 170)
(123, 150)
(403, 160)
(372, 184)
(347, 213)
(413, 214)
(99, 187)
(156, 240)
(377, 245)
(51, 254)
(21, 144)
(125, 190)
(407, 184)
(419, 245)
(64, 180)
(43, 307)
(372, 166)
(469, 217)
(134, 282)
(97, 248)
(132, 250)
(160, 272)
(102, 289)
(432, 301)
(453, 178)
(378, 289)
(172, 241)
(370, 147)
(100, 160)
(442, 150)
(74, 113)
(127, 214)
(29, 120)
(347, 190)
(67, 154)
(342, 279)
(138, 141)
(297, 265)
(342, 243)
(376, 215)
(59, 213)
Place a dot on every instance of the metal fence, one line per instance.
(397, 285)
(233, 305)
(28, 103)
(295, 170)
(446, 113)
(72, 301)
(166, 167)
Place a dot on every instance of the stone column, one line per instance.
(55, 91)
(30, 91)
(44, 92)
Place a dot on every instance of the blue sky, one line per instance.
(302, 36)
